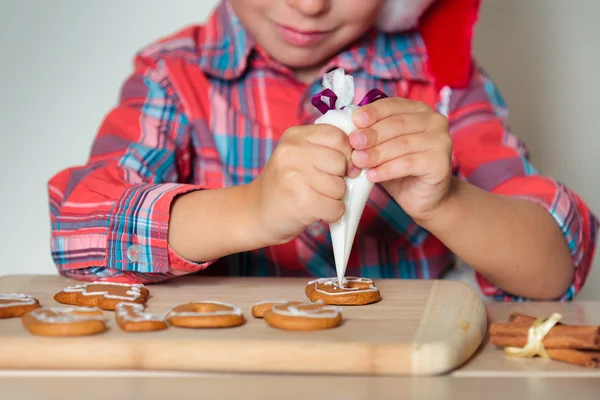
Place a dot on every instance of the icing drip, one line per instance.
(67, 315)
(344, 289)
(133, 293)
(125, 311)
(16, 299)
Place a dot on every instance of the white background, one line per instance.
(63, 61)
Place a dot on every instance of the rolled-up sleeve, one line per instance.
(487, 155)
(110, 217)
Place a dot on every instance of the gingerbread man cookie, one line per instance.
(16, 304)
(131, 318)
(298, 316)
(205, 314)
(105, 295)
(64, 321)
(353, 292)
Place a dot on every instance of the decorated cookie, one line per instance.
(205, 314)
(299, 316)
(354, 292)
(64, 321)
(131, 318)
(105, 295)
(16, 304)
(259, 309)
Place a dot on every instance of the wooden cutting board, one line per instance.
(418, 328)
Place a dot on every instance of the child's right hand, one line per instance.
(303, 182)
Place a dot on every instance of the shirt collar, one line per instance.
(225, 50)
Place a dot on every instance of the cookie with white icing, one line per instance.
(131, 318)
(353, 292)
(14, 305)
(259, 309)
(105, 295)
(205, 314)
(64, 321)
(299, 316)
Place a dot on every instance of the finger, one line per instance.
(427, 165)
(389, 128)
(369, 114)
(327, 160)
(352, 171)
(329, 136)
(329, 210)
(331, 186)
(394, 148)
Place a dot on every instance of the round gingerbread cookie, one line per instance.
(205, 314)
(353, 292)
(131, 318)
(16, 304)
(299, 316)
(64, 321)
(259, 309)
(105, 295)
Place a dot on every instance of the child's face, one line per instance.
(305, 33)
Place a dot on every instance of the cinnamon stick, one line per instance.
(588, 359)
(559, 337)
(573, 356)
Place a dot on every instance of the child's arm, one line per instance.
(129, 215)
(110, 217)
(491, 218)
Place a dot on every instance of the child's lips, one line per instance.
(300, 38)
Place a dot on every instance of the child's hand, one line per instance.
(303, 182)
(407, 147)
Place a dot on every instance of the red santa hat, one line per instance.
(447, 28)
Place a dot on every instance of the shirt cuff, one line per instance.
(577, 224)
(137, 239)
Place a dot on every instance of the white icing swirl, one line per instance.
(134, 292)
(307, 310)
(343, 290)
(66, 315)
(234, 311)
(17, 299)
(138, 310)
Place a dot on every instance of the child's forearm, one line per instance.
(513, 242)
(210, 224)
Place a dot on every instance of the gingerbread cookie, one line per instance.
(355, 291)
(16, 304)
(205, 314)
(259, 309)
(298, 316)
(64, 321)
(105, 295)
(131, 318)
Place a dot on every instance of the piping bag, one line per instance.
(335, 103)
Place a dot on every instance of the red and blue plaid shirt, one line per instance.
(205, 108)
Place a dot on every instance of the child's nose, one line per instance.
(311, 7)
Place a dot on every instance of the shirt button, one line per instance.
(134, 253)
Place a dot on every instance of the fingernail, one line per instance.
(360, 138)
(372, 174)
(354, 172)
(362, 118)
(362, 156)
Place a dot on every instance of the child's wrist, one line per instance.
(447, 212)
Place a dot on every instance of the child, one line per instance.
(212, 162)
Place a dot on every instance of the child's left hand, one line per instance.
(407, 147)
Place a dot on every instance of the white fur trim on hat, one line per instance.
(400, 15)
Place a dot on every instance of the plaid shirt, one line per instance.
(204, 109)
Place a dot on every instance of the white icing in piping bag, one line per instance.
(343, 231)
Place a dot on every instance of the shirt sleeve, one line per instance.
(487, 155)
(110, 217)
